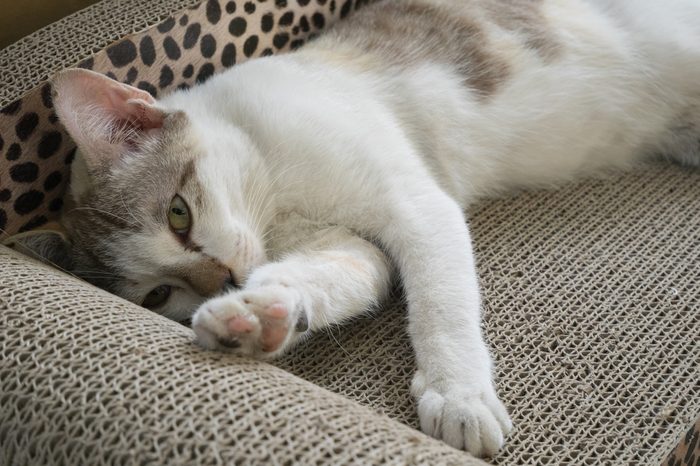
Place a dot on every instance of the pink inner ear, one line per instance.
(102, 114)
(133, 105)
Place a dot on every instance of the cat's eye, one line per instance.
(179, 216)
(157, 296)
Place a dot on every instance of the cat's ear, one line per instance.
(49, 244)
(105, 118)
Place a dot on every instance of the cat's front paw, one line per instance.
(261, 322)
(466, 417)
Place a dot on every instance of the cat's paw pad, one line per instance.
(469, 419)
(260, 322)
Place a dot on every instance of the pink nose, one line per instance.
(209, 276)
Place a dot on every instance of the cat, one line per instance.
(280, 196)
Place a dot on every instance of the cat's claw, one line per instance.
(469, 419)
(260, 322)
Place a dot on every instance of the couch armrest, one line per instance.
(87, 378)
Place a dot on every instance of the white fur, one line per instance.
(352, 153)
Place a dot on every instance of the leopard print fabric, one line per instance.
(687, 453)
(185, 49)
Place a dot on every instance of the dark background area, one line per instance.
(19, 18)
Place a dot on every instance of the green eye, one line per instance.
(157, 296)
(179, 216)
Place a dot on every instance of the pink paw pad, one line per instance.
(240, 324)
(275, 327)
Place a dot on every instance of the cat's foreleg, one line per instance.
(331, 278)
(457, 402)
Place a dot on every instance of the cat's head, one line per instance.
(163, 208)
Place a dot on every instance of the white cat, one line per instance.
(274, 197)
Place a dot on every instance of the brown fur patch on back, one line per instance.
(404, 33)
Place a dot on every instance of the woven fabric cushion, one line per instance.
(87, 378)
(591, 307)
(590, 297)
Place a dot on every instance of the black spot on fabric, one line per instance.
(249, 7)
(250, 45)
(70, 156)
(5, 195)
(296, 44)
(56, 205)
(230, 7)
(205, 72)
(213, 11)
(280, 40)
(267, 22)
(689, 435)
(46, 96)
(53, 180)
(267, 52)
(207, 46)
(319, 20)
(183, 87)
(280, 3)
(111, 75)
(87, 64)
(172, 50)
(183, 20)
(147, 50)
(53, 118)
(13, 152)
(49, 144)
(286, 19)
(122, 53)
(12, 108)
(191, 36)
(237, 26)
(28, 201)
(331, 6)
(148, 87)
(2, 142)
(131, 75)
(228, 55)
(303, 2)
(166, 77)
(24, 172)
(36, 222)
(188, 71)
(345, 9)
(304, 24)
(295, 30)
(26, 125)
(166, 25)
(691, 449)
(3, 219)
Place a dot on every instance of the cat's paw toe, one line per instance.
(475, 421)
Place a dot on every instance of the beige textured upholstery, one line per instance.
(591, 307)
(87, 378)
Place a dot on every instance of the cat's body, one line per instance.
(361, 150)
